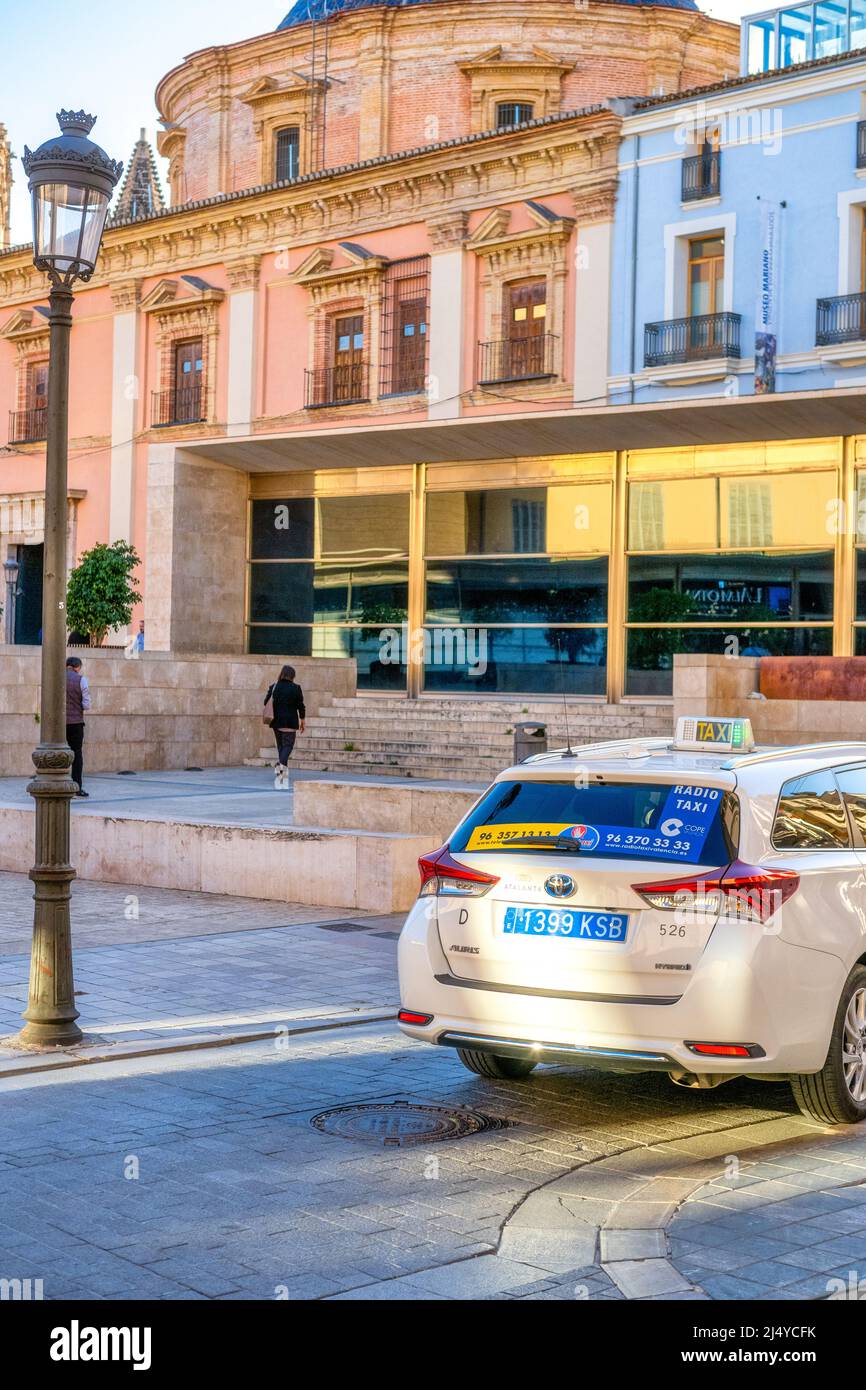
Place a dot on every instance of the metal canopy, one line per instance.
(660, 425)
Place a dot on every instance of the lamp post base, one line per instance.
(51, 1011)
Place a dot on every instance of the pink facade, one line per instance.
(386, 293)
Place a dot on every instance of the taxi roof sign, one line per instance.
(708, 731)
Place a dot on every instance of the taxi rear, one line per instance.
(597, 908)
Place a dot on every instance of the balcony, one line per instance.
(346, 384)
(841, 320)
(696, 339)
(702, 176)
(516, 359)
(861, 144)
(28, 426)
(180, 406)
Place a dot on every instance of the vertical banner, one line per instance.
(766, 311)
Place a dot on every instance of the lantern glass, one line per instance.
(68, 222)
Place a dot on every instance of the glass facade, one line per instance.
(327, 575)
(712, 568)
(519, 577)
(782, 37)
(587, 588)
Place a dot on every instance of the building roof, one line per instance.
(305, 10)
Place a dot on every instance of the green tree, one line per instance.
(102, 592)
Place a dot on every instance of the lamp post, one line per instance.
(71, 182)
(10, 571)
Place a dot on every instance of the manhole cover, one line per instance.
(341, 926)
(397, 1124)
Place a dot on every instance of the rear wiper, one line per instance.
(570, 846)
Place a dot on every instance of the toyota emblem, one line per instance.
(560, 886)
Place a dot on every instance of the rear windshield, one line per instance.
(621, 820)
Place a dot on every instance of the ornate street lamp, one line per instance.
(71, 182)
(10, 571)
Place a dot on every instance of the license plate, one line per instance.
(572, 923)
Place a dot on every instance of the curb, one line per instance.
(614, 1213)
(27, 1065)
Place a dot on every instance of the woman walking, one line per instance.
(288, 714)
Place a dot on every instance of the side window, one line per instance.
(810, 815)
(853, 784)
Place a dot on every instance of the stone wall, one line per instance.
(160, 711)
(721, 685)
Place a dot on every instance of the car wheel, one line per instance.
(836, 1095)
(489, 1064)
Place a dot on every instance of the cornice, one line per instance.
(438, 184)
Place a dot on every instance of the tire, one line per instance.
(500, 1068)
(836, 1095)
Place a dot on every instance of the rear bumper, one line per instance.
(563, 1053)
(749, 989)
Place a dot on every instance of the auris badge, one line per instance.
(559, 886)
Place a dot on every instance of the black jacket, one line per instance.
(288, 704)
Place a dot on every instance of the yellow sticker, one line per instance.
(492, 836)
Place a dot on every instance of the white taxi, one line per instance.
(692, 905)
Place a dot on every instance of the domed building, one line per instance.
(347, 80)
(333, 388)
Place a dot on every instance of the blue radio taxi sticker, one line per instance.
(678, 832)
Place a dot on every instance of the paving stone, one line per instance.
(646, 1278)
(557, 1251)
(631, 1245)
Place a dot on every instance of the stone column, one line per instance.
(592, 285)
(447, 314)
(125, 392)
(243, 278)
(196, 552)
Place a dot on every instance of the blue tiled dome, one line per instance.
(304, 10)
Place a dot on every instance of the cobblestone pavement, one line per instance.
(151, 960)
(234, 1194)
(199, 1174)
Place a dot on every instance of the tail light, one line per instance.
(442, 876)
(744, 892)
(419, 1020)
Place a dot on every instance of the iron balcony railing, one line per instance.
(691, 339)
(179, 406)
(841, 320)
(702, 176)
(861, 144)
(28, 426)
(346, 384)
(516, 359)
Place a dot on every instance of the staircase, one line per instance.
(451, 740)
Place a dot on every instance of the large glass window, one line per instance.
(831, 22)
(516, 585)
(795, 36)
(857, 34)
(734, 566)
(330, 577)
(761, 44)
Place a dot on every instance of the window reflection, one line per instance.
(507, 591)
(572, 519)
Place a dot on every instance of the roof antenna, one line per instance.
(570, 750)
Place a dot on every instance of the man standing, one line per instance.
(77, 701)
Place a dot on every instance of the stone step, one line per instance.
(458, 709)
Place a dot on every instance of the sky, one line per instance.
(108, 55)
